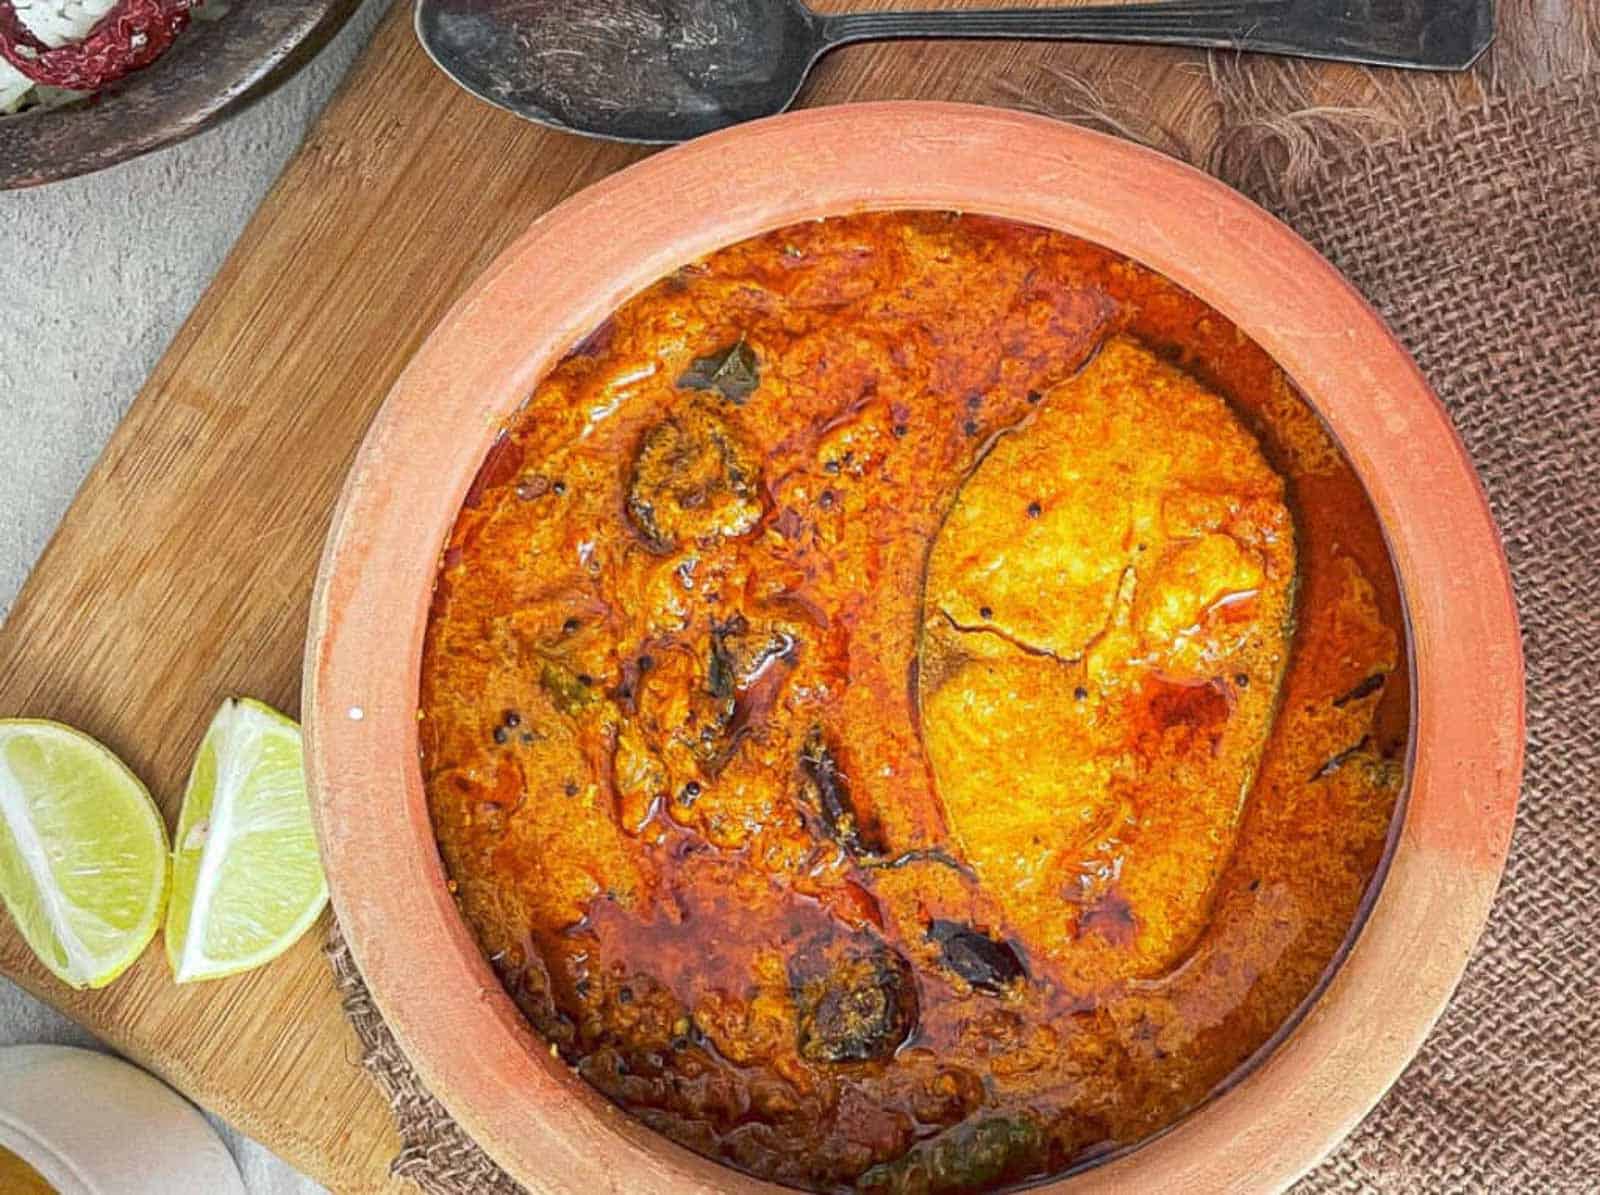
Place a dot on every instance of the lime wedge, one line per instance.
(246, 879)
(83, 852)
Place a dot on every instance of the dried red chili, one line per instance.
(132, 35)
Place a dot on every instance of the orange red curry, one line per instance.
(913, 703)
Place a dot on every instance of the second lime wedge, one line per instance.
(246, 879)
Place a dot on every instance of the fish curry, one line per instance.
(913, 703)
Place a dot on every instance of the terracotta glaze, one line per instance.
(576, 266)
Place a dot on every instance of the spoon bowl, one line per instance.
(650, 71)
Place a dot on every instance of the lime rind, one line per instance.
(83, 852)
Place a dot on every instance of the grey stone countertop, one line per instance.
(128, 251)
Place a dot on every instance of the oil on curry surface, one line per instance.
(912, 703)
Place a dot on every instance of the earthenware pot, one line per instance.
(578, 263)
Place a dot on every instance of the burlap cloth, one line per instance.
(1479, 240)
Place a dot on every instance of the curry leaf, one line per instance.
(732, 372)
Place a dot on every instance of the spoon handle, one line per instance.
(1444, 35)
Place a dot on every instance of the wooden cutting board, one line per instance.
(183, 570)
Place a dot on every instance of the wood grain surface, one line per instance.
(183, 570)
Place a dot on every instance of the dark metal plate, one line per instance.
(214, 69)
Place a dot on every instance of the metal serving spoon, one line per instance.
(667, 70)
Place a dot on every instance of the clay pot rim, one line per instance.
(577, 264)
